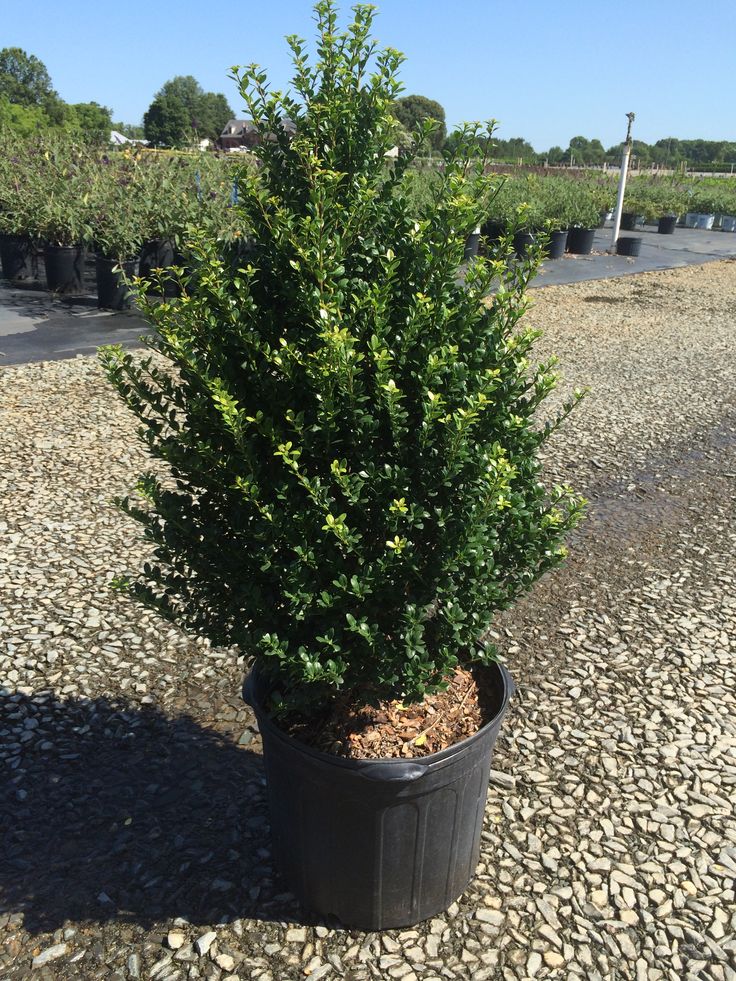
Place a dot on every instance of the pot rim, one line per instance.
(443, 756)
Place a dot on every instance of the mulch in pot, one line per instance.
(392, 729)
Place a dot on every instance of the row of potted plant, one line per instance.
(563, 212)
(126, 207)
(560, 212)
(666, 200)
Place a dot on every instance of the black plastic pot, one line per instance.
(377, 843)
(667, 224)
(580, 240)
(158, 253)
(492, 231)
(112, 290)
(522, 243)
(555, 248)
(629, 221)
(471, 246)
(18, 257)
(628, 245)
(64, 268)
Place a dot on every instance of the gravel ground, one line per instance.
(132, 808)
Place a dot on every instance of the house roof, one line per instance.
(238, 127)
(119, 140)
(241, 127)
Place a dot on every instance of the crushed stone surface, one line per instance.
(133, 820)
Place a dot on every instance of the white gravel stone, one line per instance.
(48, 955)
(203, 943)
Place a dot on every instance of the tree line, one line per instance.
(29, 103)
(182, 113)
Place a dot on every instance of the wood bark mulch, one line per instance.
(392, 729)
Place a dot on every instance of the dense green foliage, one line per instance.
(65, 192)
(25, 81)
(355, 486)
(30, 106)
(654, 196)
(534, 202)
(182, 113)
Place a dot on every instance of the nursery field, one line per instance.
(132, 805)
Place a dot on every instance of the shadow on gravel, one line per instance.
(131, 816)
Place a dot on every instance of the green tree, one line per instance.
(556, 155)
(25, 81)
(22, 120)
(212, 112)
(182, 111)
(413, 110)
(88, 119)
(167, 122)
(514, 149)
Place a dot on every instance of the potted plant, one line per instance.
(160, 175)
(554, 194)
(514, 212)
(117, 228)
(705, 203)
(584, 217)
(18, 252)
(571, 207)
(634, 214)
(357, 485)
(59, 211)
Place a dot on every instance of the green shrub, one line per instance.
(532, 202)
(350, 431)
(654, 197)
(52, 178)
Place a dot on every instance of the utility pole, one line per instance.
(622, 183)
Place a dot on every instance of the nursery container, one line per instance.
(628, 245)
(18, 257)
(522, 242)
(629, 221)
(158, 253)
(113, 292)
(580, 240)
(64, 268)
(555, 248)
(377, 843)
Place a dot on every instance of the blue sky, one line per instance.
(546, 69)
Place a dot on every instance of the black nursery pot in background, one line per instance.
(18, 258)
(492, 231)
(158, 253)
(378, 843)
(522, 242)
(628, 245)
(471, 246)
(112, 291)
(555, 248)
(629, 221)
(667, 224)
(580, 240)
(64, 268)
